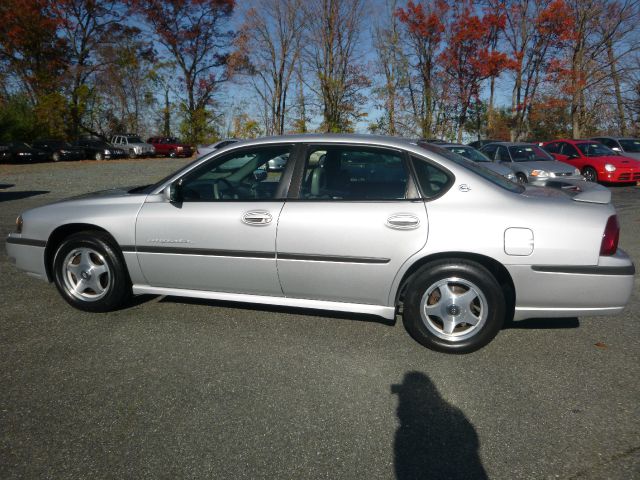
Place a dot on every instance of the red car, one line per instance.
(170, 147)
(596, 162)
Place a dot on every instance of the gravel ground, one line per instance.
(171, 388)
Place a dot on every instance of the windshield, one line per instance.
(470, 153)
(484, 172)
(594, 149)
(134, 140)
(528, 153)
(630, 145)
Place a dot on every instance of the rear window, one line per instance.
(476, 168)
(528, 153)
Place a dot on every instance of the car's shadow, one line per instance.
(279, 309)
(8, 196)
(543, 324)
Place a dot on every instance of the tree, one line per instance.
(271, 41)
(592, 56)
(424, 26)
(193, 34)
(534, 31)
(86, 26)
(468, 58)
(331, 53)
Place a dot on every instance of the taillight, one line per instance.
(610, 237)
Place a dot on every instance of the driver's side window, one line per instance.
(237, 176)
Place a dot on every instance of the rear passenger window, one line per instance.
(354, 173)
(432, 180)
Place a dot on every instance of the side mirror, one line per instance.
(173, 192)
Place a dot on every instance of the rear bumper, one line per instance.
(573, 291)
(27, 255)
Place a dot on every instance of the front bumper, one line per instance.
(27, 254)
(552, 291)
(621, 175)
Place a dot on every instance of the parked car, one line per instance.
(170, 147)
(629, 147)
(481, 143)
(353, 224)
(59, 150)
(205, 149)
(20, 152)
(480, 158)
(99, 149)
(133, 145)
(530, 163)
(597, 162)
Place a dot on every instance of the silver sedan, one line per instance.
(365, 224)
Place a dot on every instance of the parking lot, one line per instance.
(177, 388)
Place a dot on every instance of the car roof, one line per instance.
(511, 144)
(344, 138)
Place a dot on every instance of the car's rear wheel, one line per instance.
(90, 274)
(454, 306)
(98, 156)
(590, 174)
(522, 178)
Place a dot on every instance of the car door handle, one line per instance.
(403, 221)
(257, 218)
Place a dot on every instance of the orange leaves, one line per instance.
(557, 21)
(426, 24)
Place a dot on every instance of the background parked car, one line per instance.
(99, 149)
(597, 162)
(59, 150)
(170, 147)
(133, 145)
(481, 143)
(530, 163)
(20, 152)
(629, 147)
(477, 156)
(211, 147)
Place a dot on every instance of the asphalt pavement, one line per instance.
(174, 388)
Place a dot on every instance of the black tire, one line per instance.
(173, 154)
(91, 257)
(98, 156)
(590, 174)
(55, 157)
(479, 298)
(522, 178)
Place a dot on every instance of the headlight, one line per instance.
(179, 149)
(65, 151)
(137, 149)
(107, 152)
(23, 154)
(19, 223)
(539, 173)
(610, 168)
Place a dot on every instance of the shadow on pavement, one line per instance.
(434, 440)
(543, 324)
(6, 185)
(8, 196)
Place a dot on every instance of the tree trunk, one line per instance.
(615, 77)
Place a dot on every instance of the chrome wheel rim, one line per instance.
(86, 274)
(454, 309)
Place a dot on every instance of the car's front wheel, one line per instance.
(99, 156)
(90, 274)
(590, 174)
(454, 306)
(55, 157)
(522, 178)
